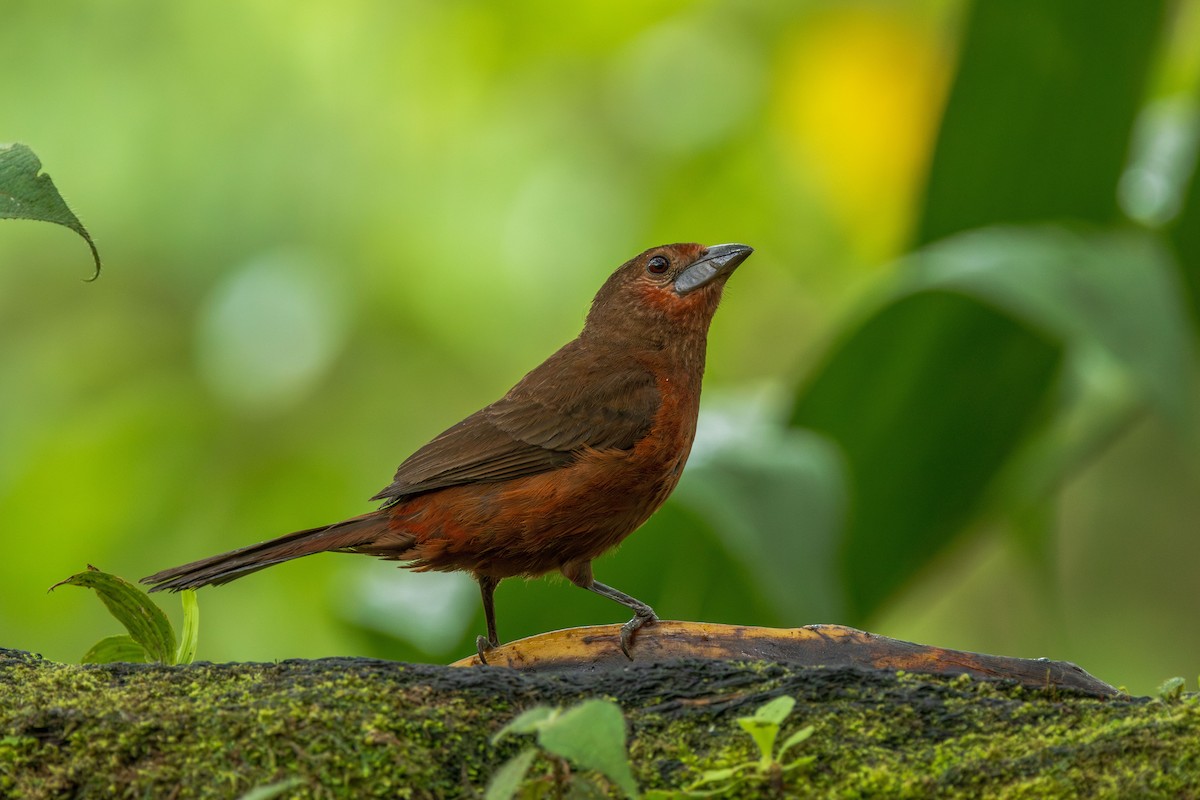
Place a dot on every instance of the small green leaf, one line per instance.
(146, 622)
(28, 193)
(803, 761)
(1171, 688)
(592, 736)
(714, 775)
(793, 740)
(776, 710)
(188, 641)
(764, 734)
(507, 779)
(527, 721)
(111, 649)
(272, 790)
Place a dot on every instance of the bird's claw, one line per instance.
(630, 628)
(482, 645)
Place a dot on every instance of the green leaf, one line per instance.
(1115, 292)
(927, 399)
(779, 506)
(111, 649)
(28, 193)
(776, 710)
(507, 779)
(1185, 236)
(716, 775)
(803, 761)
(189, 640)
(1039, 119)
(793, 740)
(527, 721)
(763, 733)
(1171, 689)
(764, 726)
(272, 790)
(592, 736)
(146, 623)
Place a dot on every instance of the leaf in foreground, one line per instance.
(508, 778)
(592, 735)
(28, 193)
(146, 623)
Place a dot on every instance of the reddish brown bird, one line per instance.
(572, 460)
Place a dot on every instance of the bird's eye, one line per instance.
(658, 265)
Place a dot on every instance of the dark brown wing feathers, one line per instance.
(577, 399)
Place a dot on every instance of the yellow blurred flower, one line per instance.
(859, 98)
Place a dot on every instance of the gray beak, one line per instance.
(718, 260)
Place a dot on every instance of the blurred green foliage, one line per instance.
(333, 231)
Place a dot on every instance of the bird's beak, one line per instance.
(718, 260)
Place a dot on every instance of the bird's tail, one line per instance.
(226, 567)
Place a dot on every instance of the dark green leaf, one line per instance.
(1185, 235)
(927, 400)
(592, 735)
(28, 193)
(1116, 292)
(1038, 122)
(112, 649)
(146, 623)
(507, 779)
(778, 506)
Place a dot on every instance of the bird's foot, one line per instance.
(642, 617)
(482, 645)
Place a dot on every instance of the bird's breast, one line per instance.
(536, 524)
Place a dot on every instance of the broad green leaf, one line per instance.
(132, 607)
(507, 779)
(528, 721)
(1039, 118)
(1185, 236)
(927, 399)
(272, 790)
(793, 740)
(28, 193)
(189, 639)
(778, 505)
(112, 649)
(592, 735)
(1112, 291)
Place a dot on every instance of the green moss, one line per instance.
(362, 728)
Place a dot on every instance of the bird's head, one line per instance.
(671, 287)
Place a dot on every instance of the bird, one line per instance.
(570, 461)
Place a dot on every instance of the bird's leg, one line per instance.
(487, 587)
(581, 576)
(642, 613)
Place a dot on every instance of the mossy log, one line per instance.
(351, 727)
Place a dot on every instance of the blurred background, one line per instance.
(950, 399)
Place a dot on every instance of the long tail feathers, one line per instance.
(215, 570)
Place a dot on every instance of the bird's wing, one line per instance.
(574, 401)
